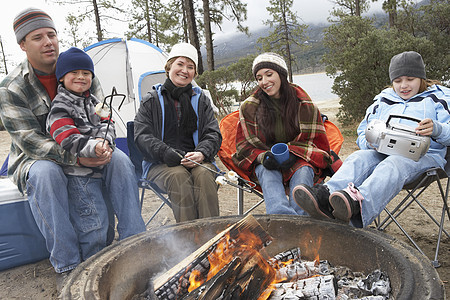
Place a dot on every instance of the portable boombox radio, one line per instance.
(397, 139)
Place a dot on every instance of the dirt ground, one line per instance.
(37, 280)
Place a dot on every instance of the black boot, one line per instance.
(314, 200)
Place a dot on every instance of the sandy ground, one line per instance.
(37, 280)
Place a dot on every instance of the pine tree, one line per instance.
(287, 31)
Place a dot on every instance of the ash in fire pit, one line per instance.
(313, 280)
(231, 266)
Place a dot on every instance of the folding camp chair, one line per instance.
(144, 183)
(228, 126)
(414, 190)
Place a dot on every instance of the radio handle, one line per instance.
(402, 117)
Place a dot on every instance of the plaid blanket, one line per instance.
(310, 145)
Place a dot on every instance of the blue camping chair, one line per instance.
(143, 182)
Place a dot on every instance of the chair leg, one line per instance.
(382, 225)
(257, 204)
(240, 199)
(445, 208)
(142, 198)
(435, 262)
(160, 196)
(155, 213)
(404, 231)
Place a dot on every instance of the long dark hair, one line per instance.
(266, 113)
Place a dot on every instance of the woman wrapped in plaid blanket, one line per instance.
(280, 112)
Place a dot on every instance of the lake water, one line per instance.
(317, 85)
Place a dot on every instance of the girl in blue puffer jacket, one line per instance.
(368, 179)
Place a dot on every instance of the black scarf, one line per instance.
(183, 94)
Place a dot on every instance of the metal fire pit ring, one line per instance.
(123, 269)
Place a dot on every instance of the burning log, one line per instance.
(237, 280)
(241, 240)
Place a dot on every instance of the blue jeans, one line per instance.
(121, 188)
(378, 177)
(47, 190)
(88, 213)
(271, 182)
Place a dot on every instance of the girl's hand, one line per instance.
(197, 157)
(425, 127)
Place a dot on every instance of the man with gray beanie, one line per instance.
(36, 160)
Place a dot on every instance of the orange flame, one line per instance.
(249, 245)
(246, 244)
(195, 280)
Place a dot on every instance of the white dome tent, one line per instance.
(132, 67)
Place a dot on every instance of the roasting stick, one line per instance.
(101, 111)
(251, 184)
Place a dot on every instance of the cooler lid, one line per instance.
(9, 193)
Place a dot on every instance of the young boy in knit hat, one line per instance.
(368, 180)
(74, 124)
(36, 160)
(73, 121)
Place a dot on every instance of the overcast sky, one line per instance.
(310, 11)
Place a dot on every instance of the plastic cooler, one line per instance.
(21, 242)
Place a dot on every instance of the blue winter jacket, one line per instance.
(433, 103)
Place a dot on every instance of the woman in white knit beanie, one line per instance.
(280, 112)
(176, 130)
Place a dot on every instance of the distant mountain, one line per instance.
(229, 50)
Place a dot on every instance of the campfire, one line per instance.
(126, 269)
(234, 265)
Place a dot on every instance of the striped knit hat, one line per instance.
(272, 61)
(29, 20)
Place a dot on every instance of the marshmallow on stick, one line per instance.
(102, 110)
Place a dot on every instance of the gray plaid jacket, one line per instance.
(24, 106)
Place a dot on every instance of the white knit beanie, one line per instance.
(185, 50)
(272, 61)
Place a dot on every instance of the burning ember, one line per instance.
(233, 265)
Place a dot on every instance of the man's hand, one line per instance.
(196, 156)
